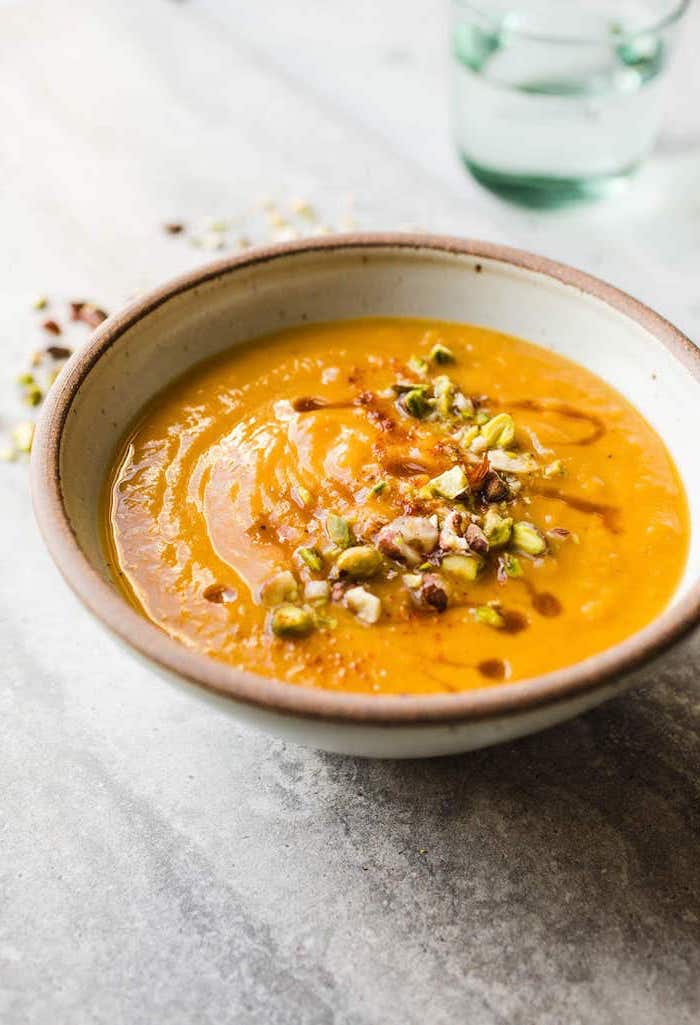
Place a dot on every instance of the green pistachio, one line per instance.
(33, 395)
(359, 562)
(338, 530)
(499, 431)
(377, 488)
(513, 462)
(512, 565)
(450, 484)
(464, 568)
(416, 404)
(282, 587)
(312, 557)
(303, 495)
(528, 539)
(25, 379)
(489, 616)
(464, 406)
(441, 354)
(467, 437)
(291, 621)
(497, 528)
(418, 366)
(444, 392)
(40, 303)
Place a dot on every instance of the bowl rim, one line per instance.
(276, 696)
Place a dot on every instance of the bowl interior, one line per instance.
(238, 303)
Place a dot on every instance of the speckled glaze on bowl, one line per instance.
(138, 352)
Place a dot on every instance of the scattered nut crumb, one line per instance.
(59, 351)
(51, 327)
(275, 219)
(303, 208)
(88, 313)
(23, 435)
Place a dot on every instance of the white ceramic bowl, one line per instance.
(138, 352)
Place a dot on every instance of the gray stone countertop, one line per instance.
(161, 865)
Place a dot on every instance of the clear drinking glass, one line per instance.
(555, 100)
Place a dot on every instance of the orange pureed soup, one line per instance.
(395, 506)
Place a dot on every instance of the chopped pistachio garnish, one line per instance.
(291, 621)
(499, 431)
(418, 366)
(365, 605)
(494, 488)
(416, 404)
(359, 562)
(489, 616)
(528, 539)
(450, 484)
(512, 565)
(497, 528)
(554, 469)
(303, 495)
(432, 594)
(338, 530)
(408, 539)
(464, 568)
(468, 436)
(444, 392)
(25, 379)
(452, 530)
(441, 354)
(40, 303)
(412, 580)
(23, 435)
(282, 587)
(317, 591)
(476, 539)
(464, 406)
(513, 462)
(312, 557)
(403, 387)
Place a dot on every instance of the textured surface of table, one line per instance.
(160, 864)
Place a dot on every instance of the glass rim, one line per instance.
(662, 22)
